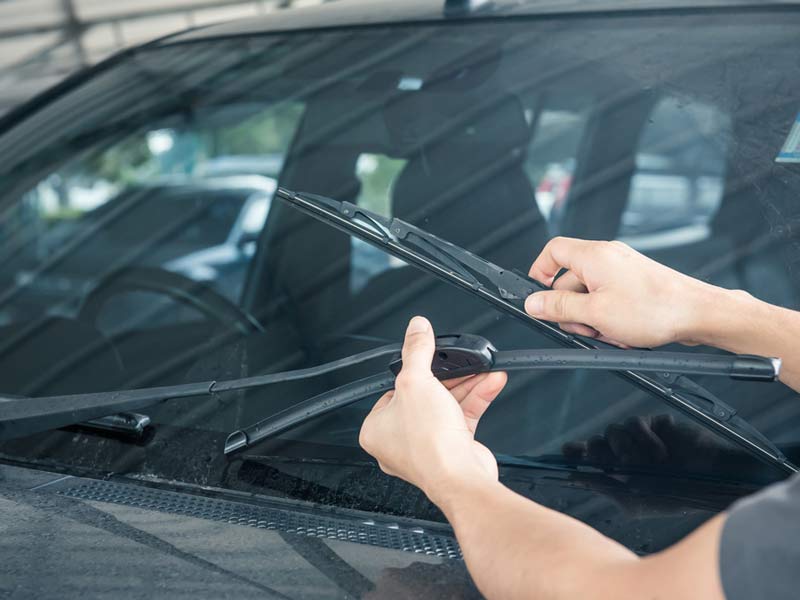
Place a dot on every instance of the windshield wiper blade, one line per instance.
(456, 356)
(412, 244)
(507, 290)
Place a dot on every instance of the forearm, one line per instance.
(515, 548)
(738, 322)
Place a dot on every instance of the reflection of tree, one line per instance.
(133, 157)
(124, 162)
(269, 132)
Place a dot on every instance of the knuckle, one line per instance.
(560, 305)
(605, 248)
(597, 307)
(620, 245)
(404, 381)
(364, 438)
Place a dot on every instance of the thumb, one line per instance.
(561, 306)
(419, 346)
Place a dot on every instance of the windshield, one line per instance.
(141, 247)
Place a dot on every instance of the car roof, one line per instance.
(349, 13)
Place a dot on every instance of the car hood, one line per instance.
(63, 536)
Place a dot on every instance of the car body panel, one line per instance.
(90, 548)
(348, 13)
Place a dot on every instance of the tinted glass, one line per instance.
(496, 136)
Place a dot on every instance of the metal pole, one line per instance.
(73, 32)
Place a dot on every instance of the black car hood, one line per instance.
(63, 537)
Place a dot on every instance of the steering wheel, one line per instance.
(180, 288)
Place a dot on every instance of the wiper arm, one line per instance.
(20, 416)
(456, 356)
(507, 290)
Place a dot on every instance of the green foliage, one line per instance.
(269, 132)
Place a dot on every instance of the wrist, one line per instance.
(454, 495)
(722, 318)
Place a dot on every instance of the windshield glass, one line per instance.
(140, 245)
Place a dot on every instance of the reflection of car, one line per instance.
(225, 166)
(554, 188)
(455, 101)
(209, 229)
(221, 264)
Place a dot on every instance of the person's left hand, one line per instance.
(424, 430)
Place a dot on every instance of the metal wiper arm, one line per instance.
(507, 290)
(21, 416)
(456, 356)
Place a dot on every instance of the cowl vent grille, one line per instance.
(369, 532)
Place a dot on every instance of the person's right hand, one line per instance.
(613, 293)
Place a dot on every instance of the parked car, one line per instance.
(220, 219)
(669, 115)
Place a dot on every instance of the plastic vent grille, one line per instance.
(373, 533)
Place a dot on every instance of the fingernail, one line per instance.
(534, 304)
(418, 325)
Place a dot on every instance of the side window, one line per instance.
(377, 174)
(552, 156)
(680, 173)
(189, 199)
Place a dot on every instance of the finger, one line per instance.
(574, 450)
(451, 384)
(560, 253)
(382, 402)
(620, 442)
(569, 282)
(599, 451)
(608, 340)
(461, 390)
(561, 307)
(474, 405)
(580, 329)
(386, 469)
(418, 347)
(649, 446)
(663, 425)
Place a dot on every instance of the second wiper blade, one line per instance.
(456, 356)
(461, 355)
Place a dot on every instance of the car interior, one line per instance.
(475, 132)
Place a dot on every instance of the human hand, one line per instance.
(649, 441)
(424, 430)
(613, 293)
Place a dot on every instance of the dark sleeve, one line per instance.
(760, 545)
